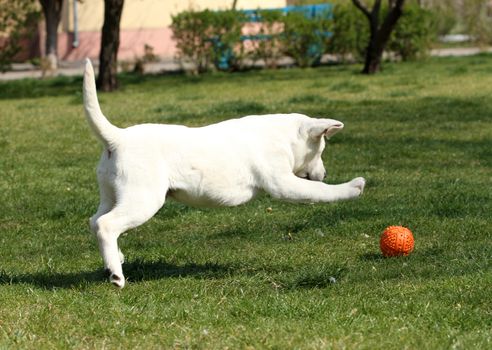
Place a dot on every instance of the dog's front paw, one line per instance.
(358, 185)
(118, 281)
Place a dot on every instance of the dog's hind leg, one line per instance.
(133, 208)
(107, 202)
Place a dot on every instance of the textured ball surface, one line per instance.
(396, 240)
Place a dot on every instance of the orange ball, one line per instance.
(396, 241)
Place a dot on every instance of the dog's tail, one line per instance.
(104, 130)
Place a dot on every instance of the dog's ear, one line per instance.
(323, 127)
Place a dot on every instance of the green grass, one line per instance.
(299, 276)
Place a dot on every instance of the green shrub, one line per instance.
(191, 31)
(305, 39)
(478, 21)
(15, 18)
(448, 17)
(350, 32)
(414, 33)
(225, 33)
(207, 37)
(269, 46)
(411, 39)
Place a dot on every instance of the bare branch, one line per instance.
(390, 21)
(375, 10)
(396, 4)
(361, 7)
(399, 4)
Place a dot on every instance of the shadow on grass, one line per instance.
(313, 277)
(304, 278)
(47, 280)
(65, 86)
(144, 270)
(316, 217)
(134, 271)
(426, 255)
(371, 257)
(431, 263)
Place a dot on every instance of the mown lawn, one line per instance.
(293, 277)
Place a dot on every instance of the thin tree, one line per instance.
(379, 32)
(52, 15)
(110, 42)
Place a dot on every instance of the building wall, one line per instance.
(143, 22)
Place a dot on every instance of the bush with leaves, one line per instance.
(266, 43)
(225, 34)
(208, 37)
(414, 33)
(305, 39)
(449, 15)
(411, 39)
(478, 20)
(191, 31)
(350, 32)
(15, 18)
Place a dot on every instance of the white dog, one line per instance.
(223, 164)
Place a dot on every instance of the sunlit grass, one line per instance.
(295, 276)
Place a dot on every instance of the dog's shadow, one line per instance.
(134, 271)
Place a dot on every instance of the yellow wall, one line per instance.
(139, 14)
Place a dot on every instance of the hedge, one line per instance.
(213, 39)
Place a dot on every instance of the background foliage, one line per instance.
(207, 37)
(414, 34)
(305, 39)
(16, 19)
(478, 20)
(191, 31)
(268, 50)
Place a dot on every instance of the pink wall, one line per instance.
(131, 44)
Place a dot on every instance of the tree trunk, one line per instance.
(110, 42)
(379, 35)
(374, 55)
(373, 58)
(52, 14)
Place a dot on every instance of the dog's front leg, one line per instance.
(294, 189)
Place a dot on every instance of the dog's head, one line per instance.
(308, 162)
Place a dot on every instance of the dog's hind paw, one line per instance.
(358, 183)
